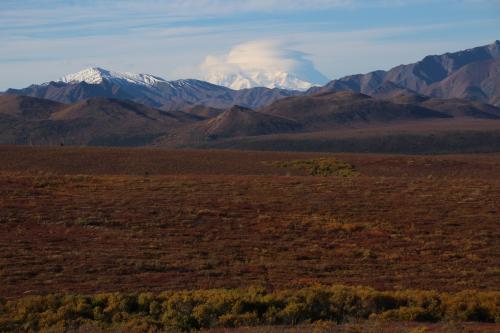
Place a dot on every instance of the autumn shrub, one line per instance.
(320, 167)
(193, 310)
(473, 306)
(404, 314)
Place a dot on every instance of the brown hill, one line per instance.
(27, 107)
(408, 98)
(343, 121)
(97, 121)
(203, 111)
(346, 109)
(114, 110)
(455, 107)
(462, 108)
(238, 121)
(20, 116)
(352, 122)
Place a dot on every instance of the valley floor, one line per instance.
(89, 220)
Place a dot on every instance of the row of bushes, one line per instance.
(192, 310)
(320, 167)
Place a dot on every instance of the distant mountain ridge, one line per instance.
(470, 74)
(149, 90)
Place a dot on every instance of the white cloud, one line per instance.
(262, 63)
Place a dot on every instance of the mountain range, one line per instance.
(446, 103)
(471, 74)
(149, 90)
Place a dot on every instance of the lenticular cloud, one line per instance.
(262, 63)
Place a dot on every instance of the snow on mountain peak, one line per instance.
(262, 64)
(244, 80)
(96, 75)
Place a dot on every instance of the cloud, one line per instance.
(36, 18)
(43, 40)
(58, 15)
(263, 62)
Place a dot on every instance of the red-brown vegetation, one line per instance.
(97, 220)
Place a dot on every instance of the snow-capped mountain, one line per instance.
(244, 80)
(96, 75)
(148, 90)
(262, 63)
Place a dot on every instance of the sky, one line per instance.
(42, 40)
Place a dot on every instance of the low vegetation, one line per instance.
(193, 310)
(320, 167)
(111, 229)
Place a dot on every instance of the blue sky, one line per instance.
(43, 40)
